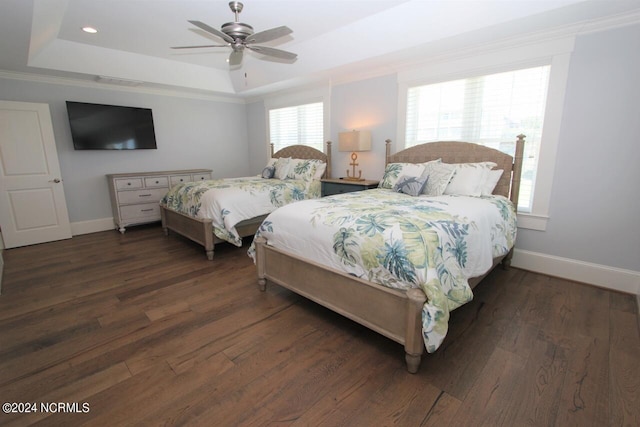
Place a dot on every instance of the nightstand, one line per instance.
(338, 186)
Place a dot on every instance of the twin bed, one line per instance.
(398, 262)
(227, 210)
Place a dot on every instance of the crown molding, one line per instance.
(39, 78)
(565, 32)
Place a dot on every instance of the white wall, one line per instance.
(190, 133)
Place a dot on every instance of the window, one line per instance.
(300, 124)
(490, 110)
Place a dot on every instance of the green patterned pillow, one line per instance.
(304, 169)
(394, 171)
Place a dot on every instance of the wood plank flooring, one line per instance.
(143, 330)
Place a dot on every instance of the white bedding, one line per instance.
(400, 241)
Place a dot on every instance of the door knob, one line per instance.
(56, 180)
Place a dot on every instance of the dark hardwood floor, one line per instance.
(140, 329)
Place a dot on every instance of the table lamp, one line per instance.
(354, 141)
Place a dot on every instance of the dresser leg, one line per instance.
(122, 230)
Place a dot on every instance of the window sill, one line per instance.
(532, 221)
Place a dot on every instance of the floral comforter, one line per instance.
(400, 241)
(228, 201)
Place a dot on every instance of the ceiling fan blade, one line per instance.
(196, 47)
(213, 31)
(268, 35)
(276, 53)
(235, 58)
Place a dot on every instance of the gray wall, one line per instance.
(191, 133)
(594, 203)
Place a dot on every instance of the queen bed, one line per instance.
(226, 210)
(399, 258)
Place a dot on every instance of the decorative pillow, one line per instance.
(411, 185)
(268, 172)
(304, 169)
(490, 182)
(272, 162)
(320, 168)
(393, 171)
(439, 176)
(468, 178)
(282, 167)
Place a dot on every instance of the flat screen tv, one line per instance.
(110, 127)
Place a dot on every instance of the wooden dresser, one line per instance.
(135, 196)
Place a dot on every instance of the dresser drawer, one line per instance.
(128, 183)
(141, 196)
(147, 212)
(156, 181)
(201, 176)
(180, 179)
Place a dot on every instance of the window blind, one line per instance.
(490, 110)
(300, 124)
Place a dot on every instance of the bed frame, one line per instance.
(201, 230)
(393, 313)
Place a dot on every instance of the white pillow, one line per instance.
(282, 167)
(490, 182)
(271, 162)
(469, 178)
(439, 176)
(321, 167)
(394, 171)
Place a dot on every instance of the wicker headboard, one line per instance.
(306, 152)
(467, 152)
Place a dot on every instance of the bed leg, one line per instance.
(413, 362)
(165, 230)
(413, 343)
(259, 243)
(209, 253)
(506, 261)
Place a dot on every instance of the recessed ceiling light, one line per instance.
(90, 30)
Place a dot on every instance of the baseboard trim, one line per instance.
(93, 226)
(627, 281)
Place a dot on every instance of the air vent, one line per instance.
(118, 81)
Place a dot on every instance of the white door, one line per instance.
(32, 204)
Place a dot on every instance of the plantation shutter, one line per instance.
(301, 124)
(490, 110)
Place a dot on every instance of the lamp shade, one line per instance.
(356, 140)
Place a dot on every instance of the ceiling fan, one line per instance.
(239, 36)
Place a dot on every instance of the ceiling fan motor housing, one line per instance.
(237, 30)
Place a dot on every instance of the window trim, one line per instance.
(556, 53)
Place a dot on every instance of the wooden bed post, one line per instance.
(387, 151)
(259, 243)
(271, 145)
(327, 172)
(413, 344)
(517, 170)
(515, 188)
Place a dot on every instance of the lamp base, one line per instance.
(351, 178)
